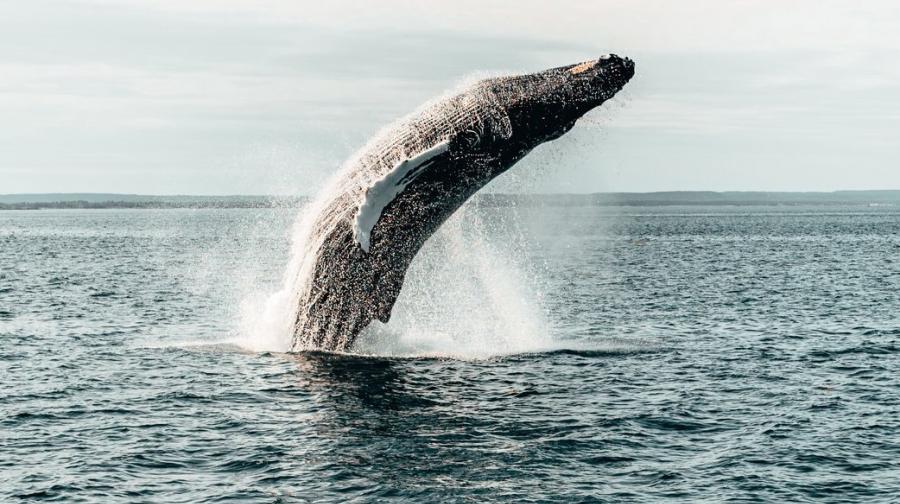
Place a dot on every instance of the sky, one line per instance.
(270, 96)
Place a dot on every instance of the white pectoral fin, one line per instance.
(384, 190)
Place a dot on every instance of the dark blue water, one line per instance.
(698, 355)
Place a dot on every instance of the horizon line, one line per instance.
(261, 195)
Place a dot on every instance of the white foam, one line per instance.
(468, 294)
(384, 190)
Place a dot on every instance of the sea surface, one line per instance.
(546, 354)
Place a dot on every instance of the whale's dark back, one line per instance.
(343, 287)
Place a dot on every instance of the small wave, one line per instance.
(228, 345)
(102, 294)
(607, 351)
(870, 349)
(379, 349)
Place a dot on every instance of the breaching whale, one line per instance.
(410, 178)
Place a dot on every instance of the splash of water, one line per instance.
(265, 320)
(469, 293)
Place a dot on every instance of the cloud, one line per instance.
(164, 95)
(643, 25)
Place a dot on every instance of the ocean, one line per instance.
(580, 353)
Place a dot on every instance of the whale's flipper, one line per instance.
(384, 190)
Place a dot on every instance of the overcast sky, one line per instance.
(269, 96)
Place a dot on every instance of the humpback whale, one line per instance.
(396, 192)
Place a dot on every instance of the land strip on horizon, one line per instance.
(34, 201)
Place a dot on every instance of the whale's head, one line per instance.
(544, 105)
(590, 83)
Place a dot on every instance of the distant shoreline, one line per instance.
(674, 198)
